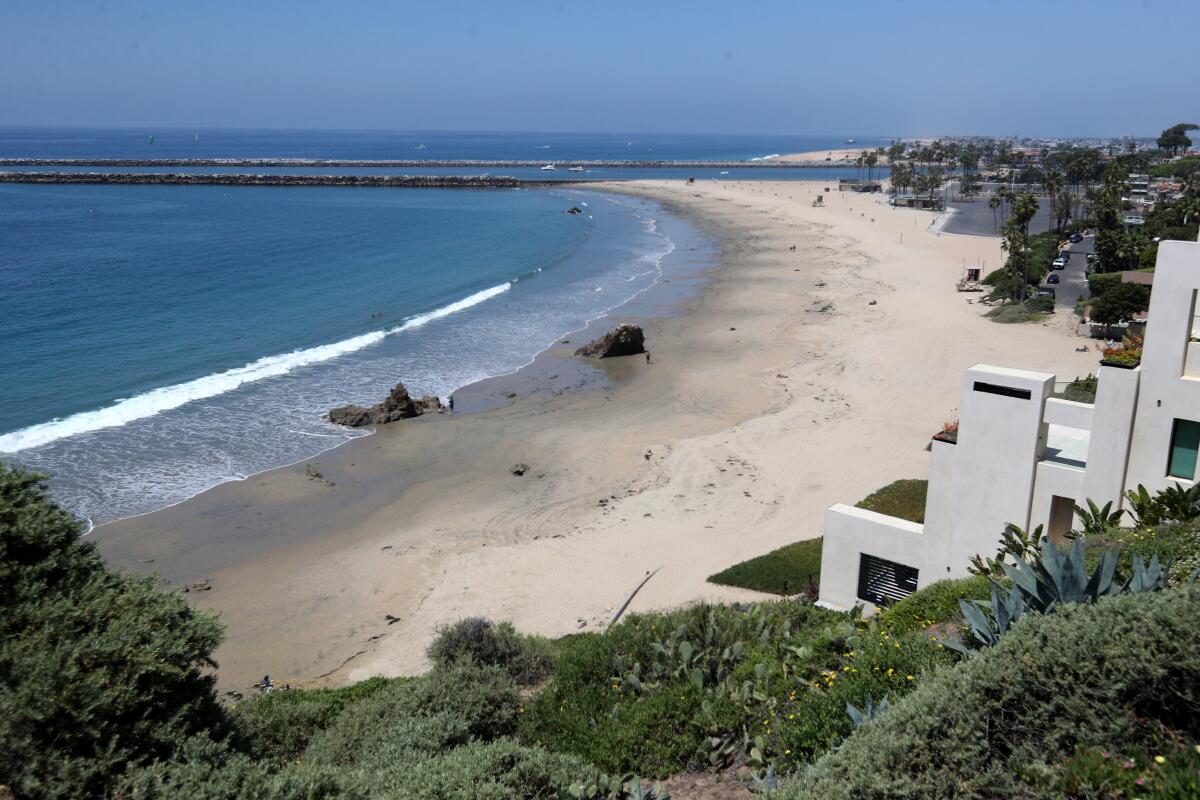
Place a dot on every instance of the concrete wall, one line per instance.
(1112, 429)
(1069, 413)
(1000, 439)
(851, 531)
(1053, 479)
(1165, 393)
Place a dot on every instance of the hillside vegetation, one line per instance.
(105, 691)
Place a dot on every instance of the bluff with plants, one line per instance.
(104, 690)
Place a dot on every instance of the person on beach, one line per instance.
(647, 356)
(451, 404)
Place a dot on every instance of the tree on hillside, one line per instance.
(1120, 302)
(99, 671)
(1175, 139)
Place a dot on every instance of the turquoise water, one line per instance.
(160, 340)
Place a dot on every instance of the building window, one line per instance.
(1185, 440)
(883, 582)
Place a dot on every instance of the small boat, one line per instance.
(849, 141)
(725, 172)
(196, 136)
(420, 147)
(548, 168)
(152, 138)
(575, 169)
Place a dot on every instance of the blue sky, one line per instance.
(919, 67)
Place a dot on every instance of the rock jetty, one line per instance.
(398, 405)
(468, 163)
(229, 179)
(623, 340)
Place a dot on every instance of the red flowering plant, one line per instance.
(1126, 354)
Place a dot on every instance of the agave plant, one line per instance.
(861, 716)
(1057, 576)
(1097, 521)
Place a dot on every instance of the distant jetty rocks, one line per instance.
(310, 163)
(202, 179)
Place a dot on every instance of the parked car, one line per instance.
(1076, 238)
(1059, 263)
(1052, 278)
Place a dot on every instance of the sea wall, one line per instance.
(199, 179)
(409, 163)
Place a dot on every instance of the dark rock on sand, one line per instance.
(398, 405)
(519, 469)
(624, 340)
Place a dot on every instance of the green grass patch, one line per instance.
(904, 498)
(789, 570)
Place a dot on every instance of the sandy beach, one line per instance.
(840, 155)
(776, 391)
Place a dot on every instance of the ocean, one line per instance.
(161, 340)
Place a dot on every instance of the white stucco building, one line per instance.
(1026, 457)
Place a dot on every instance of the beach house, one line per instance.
(1026, 455)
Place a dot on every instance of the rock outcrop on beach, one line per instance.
(398, 405)
(623, 340)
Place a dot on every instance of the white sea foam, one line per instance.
(765, 158)
(165, 398)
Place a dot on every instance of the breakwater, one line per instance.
(203, 179)
(110, 163)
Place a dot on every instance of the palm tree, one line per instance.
(1053, 182)
(870, 159)
(1023, 209)
(993, 204)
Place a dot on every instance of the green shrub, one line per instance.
(483, 700)
(583, 712)
(937, 602)
(499, 770)
(787, 682)
(527, 658)
(789, 570)
(1100, 283)
(205, 771)
(1173, 774)
(98, 671)
(1122, 671)
(875, 664)
(279, 725)
(1177, 544)
(1012, 313)
(903, 498)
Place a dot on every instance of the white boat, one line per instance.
(548, 168)
(575, 169)
(849, 141)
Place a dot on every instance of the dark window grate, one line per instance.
(882, 582)
(1007, 391)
